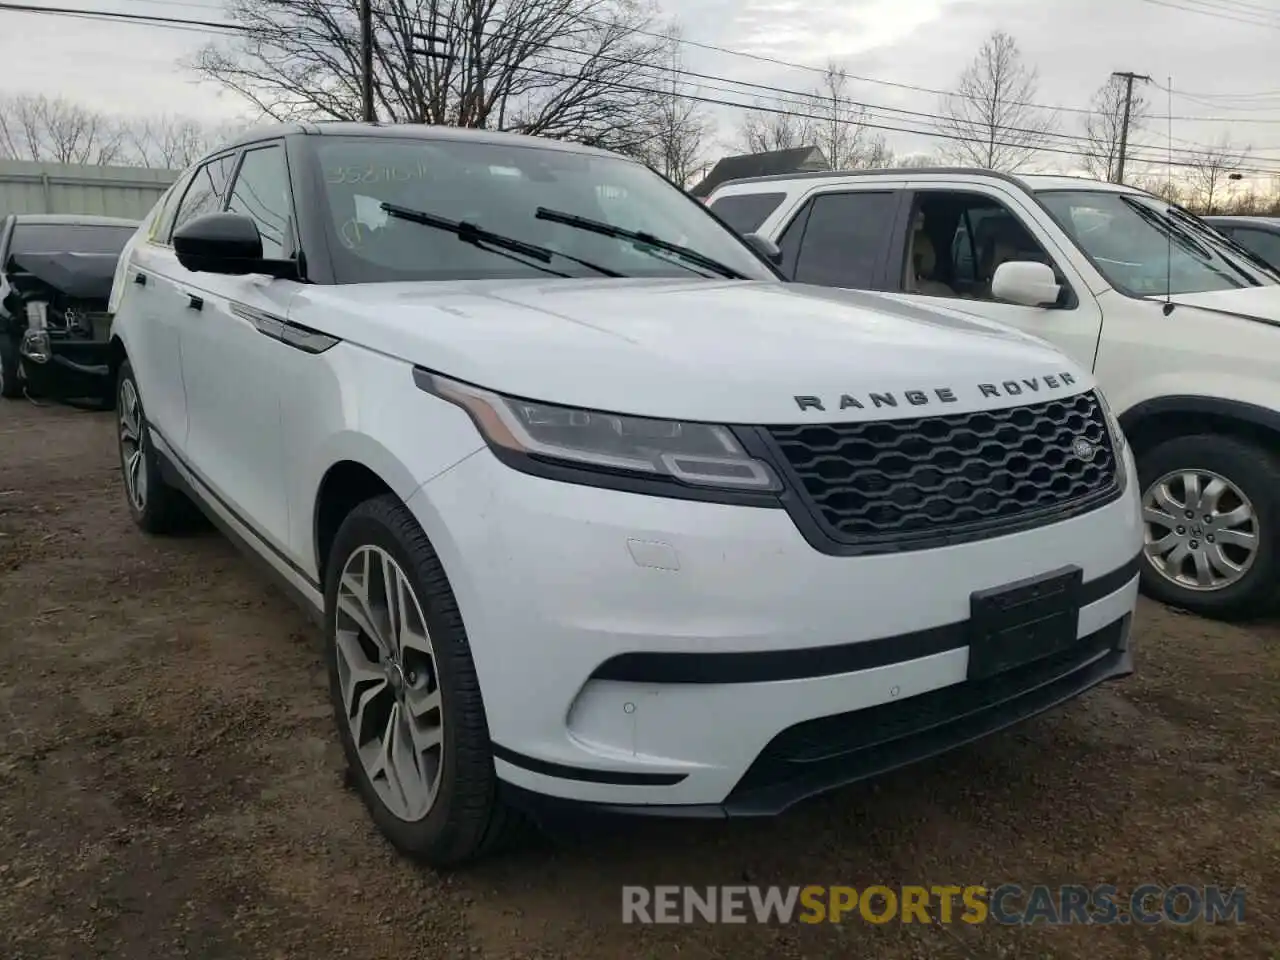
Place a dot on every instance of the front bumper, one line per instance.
(675, 657)
(68, 367)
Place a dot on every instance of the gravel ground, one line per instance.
(170, 784)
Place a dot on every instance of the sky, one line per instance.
(1217, 54)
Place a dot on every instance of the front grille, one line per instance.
(963, 476)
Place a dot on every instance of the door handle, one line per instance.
(194, 302)
(140, 279)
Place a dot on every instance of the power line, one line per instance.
(761, 58)
(1217, 13)
(187, 23)
(808, 100)
(179, 23)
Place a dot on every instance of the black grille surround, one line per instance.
(913, 483)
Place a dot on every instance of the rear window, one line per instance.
(745, 212)
(69, 238)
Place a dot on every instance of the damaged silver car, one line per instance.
(55, 281)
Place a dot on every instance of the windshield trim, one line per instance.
(1124, 196)
(311, 184)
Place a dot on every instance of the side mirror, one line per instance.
(1027, 283)
(770, 250)
(226, 243)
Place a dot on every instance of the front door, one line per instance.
(957, 238)
(231, 370)
(149, 291)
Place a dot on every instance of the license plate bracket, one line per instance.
(1019, 622)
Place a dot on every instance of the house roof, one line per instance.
(760, 165)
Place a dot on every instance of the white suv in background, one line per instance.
(594, 509)
(1180, 325)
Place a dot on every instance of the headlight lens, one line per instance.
(1118, 439)
(1119, 443)
(700, 454)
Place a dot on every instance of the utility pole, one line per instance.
(366, 58)
(1124, 126)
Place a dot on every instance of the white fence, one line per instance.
(129, 192)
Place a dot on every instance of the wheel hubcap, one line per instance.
(1201, 531)
(132, 446)
(390, 687)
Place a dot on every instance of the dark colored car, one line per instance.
(55, 280)
(1259, 235)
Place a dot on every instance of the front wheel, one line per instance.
(155, 506)
(405, 693)
(1211, 518)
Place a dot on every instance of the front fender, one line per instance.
(1266, 417)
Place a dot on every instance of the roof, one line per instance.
(1030, 181)
(756, 165)
(1244, 220)
(73, 219)
(402, 131)
(1057, 181)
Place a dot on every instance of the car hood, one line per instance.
(1252, 303)
(82, 276)
(736, 352)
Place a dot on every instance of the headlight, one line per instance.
(1118, 439)
(1119, 443)
(699, 454)
(35, 346)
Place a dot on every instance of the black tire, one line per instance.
(1256, 472)
(468, 818)
(164, 509)
(10, 385)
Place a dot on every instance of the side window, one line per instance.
(205, 192)
(261, 192)
(746, 212)
(957, 240)
(162, 220)
(844, 237)
(1265, 245)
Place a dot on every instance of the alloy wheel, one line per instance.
(133, 446)
(1201, 531)
(389, 682)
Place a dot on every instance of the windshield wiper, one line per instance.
(480, 237)
(1233, 245)
(644, 239)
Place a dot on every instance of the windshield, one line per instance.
(1145, 247)
(499, 188)
(69, 238)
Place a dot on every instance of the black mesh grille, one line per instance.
(970, 474)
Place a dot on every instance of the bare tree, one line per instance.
(1104, 128)
(763, 131)
(841, 133)
(170, 142)
(680, 128)
(991, 121)
(877, 154)
(37, 127)
(570, 69)
(824, 118)
(1209, 172)
(918, 160)
(1162, 186)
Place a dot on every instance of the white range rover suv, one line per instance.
(1180, 324)
(594, 508)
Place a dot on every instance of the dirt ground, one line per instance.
(171, 786)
